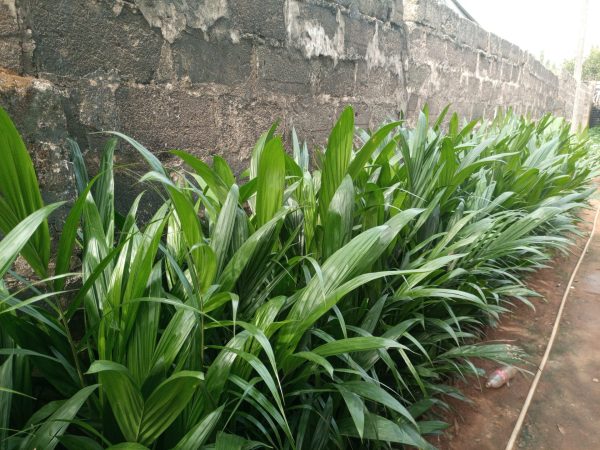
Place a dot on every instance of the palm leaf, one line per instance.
(20, 194)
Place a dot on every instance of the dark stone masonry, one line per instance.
(209, 76)
(595, 113)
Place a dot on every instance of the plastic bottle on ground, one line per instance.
(501, 376)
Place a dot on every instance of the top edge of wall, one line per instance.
(442, 19)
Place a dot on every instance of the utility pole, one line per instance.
(579, 65)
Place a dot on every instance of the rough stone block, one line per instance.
(473, 87)
(312, 119)
(506, 71)
(338, 80)
(468, 59)
(216, 61)
(529, 60)
(379, 84)
(422, 11)
(417, 76)
(358, 35)
(387, 49)
(444, 86)
(516, 54)
(379, 113)
(505, 48)
(397, 13)
(515, 74)
(325, 14)
(362, 114)
(483, 65)
(281, 70)
(415, 33)
(482, 38)
(477, 111)
(489, 92)
(8, 20)
(412, 105)
(316, 30)
(378, 9)
(495, 69)
(436, 48)
(10, 53)
(454, 52)
(178, 117)
(434, 14)
(495, 45)
(416, 42)
(264, 18)
(466, 36)
(414, 10)
(450, 24)
(96, 103)
(173, 17)
(392, 41)
(78, 37)
(241, 120)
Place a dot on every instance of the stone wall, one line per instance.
(453, 60)
(595, 112)
(210, 76)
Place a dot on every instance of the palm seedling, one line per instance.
(324, 307)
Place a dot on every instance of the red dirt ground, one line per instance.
(487, 422)
(565, 411)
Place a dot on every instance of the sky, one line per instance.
(548, 26)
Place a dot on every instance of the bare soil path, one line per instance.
(565, 411)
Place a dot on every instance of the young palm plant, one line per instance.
(303, 308)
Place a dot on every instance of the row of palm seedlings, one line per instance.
(594, 146)
(327, 301)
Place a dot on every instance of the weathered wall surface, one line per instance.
(210, 75)
(207, 76)
(595, 112)
(455, 61)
